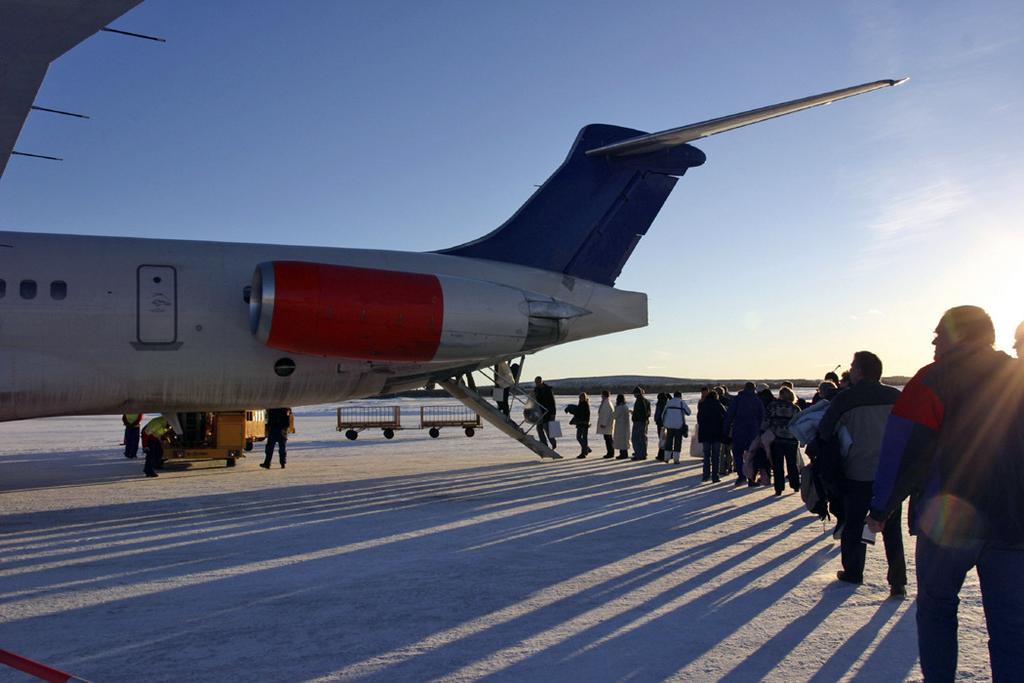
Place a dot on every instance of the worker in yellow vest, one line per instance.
(152, 443)
(131, 423)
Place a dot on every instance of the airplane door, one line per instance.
(157, 305)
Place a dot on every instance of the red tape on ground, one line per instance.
(33, 668)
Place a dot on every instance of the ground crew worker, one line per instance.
(152, 443)
(131, 422)
(277, 433)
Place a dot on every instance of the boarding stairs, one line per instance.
(465, 391)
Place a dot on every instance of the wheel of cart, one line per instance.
(354, 419)
(434, 418)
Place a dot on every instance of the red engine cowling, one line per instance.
(347, 312)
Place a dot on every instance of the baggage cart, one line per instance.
(436, 417)
(354, 419)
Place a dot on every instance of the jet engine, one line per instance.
(383, 315)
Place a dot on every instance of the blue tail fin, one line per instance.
(588, 216)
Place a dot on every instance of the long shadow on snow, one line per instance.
(197, 513)
(390, 584)
(896, 654)
(647, 655)
(842, 660)
(193, 520)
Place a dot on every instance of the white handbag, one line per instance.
(554, 429)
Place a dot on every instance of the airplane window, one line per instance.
(3, 288)
(58, 290)
(28, 289)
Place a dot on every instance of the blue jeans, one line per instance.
(280, 438)
(940, 575)
(581, 438)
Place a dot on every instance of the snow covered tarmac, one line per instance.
(420, 559)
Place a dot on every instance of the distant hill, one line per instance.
(652, 384)
(624, 384)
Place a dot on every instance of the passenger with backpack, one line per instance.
(783, 445)
(857, 417)
(674, 419)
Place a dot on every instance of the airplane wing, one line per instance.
(33, 34)
(653, 142)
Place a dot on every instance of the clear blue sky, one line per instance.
(422, 125)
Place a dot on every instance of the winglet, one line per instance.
(678, 136)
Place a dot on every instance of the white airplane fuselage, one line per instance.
(122, 324)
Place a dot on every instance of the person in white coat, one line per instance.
(620, 435)
(605, 426)
(674, 419)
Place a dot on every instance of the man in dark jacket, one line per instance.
(955, 443)
(641, 418)
(710, 423)
(545, 398)
(857, 417)
(659, 423)
(278, 422)
(581, 420)
(746, 412)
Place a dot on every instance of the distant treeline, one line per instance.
(652, 385)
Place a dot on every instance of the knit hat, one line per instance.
(761, 387)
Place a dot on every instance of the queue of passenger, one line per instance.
(943, 441)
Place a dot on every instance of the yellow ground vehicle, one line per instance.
(216, 436)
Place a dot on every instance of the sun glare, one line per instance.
(995, 281)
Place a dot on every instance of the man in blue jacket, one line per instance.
(744, 418)
(954, 443)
